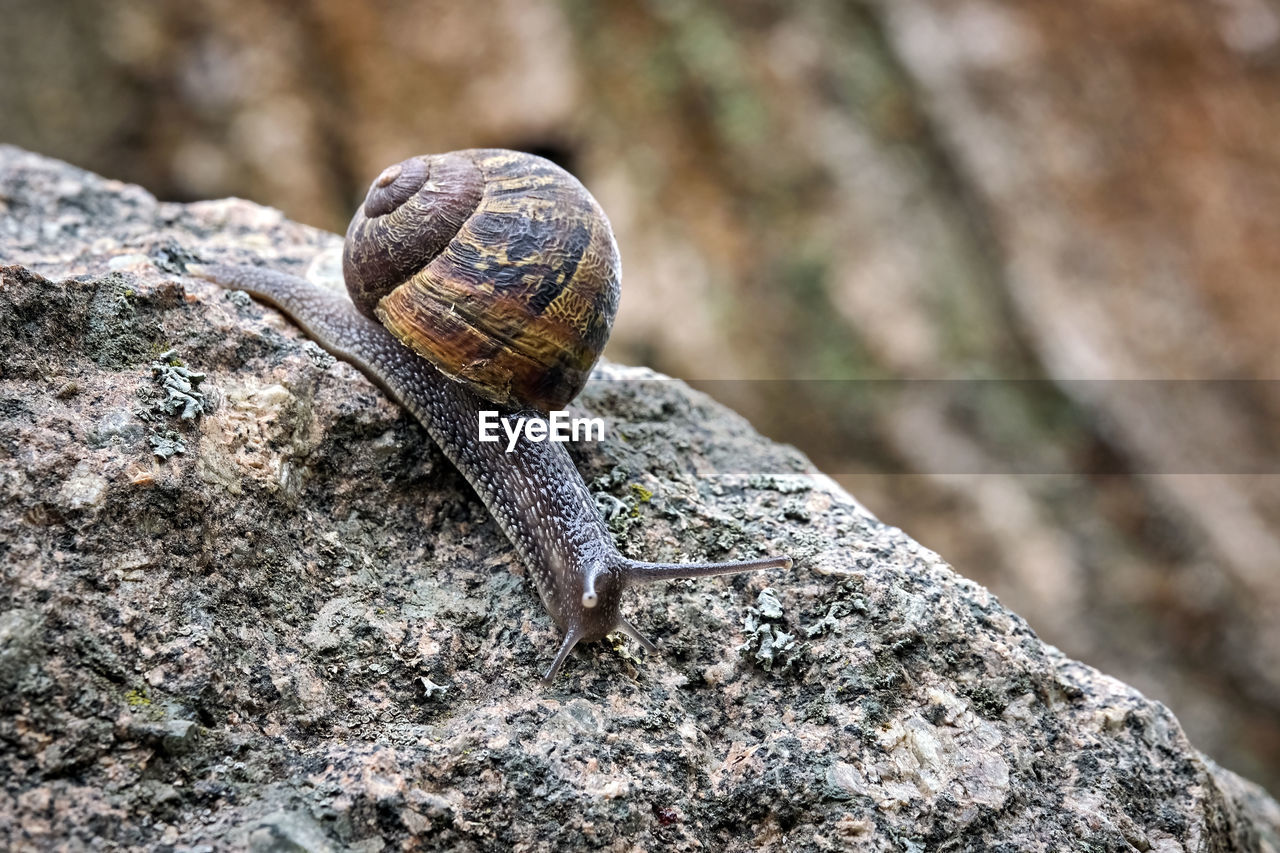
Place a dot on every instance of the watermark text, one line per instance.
(557, 426)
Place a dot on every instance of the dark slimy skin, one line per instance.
(535, 493)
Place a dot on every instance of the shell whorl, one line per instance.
(497, 266)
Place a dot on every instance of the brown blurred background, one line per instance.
(812, 195)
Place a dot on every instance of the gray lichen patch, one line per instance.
(181, 386)
(306, 632)
(174, 393)
(166, 443)
(768, 643)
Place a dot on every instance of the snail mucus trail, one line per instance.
(487, 279)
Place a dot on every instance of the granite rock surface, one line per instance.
(247, 604)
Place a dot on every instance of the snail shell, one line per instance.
(496, 266)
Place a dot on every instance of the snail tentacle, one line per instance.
(639, 572)
(570, 640)
(631, 631)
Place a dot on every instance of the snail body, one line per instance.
(513, 231)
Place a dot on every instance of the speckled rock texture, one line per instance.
(248, 605)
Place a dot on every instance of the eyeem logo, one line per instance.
(558, 426)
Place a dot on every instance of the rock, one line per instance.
(965, 190)
(314, 590)
(289, 832)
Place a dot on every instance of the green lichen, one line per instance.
(642, 496)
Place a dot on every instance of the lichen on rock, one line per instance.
(305, 632)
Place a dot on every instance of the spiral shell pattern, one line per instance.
(497, 266)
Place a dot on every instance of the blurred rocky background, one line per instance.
(1007, 270)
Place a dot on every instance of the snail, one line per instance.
(486, 279)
